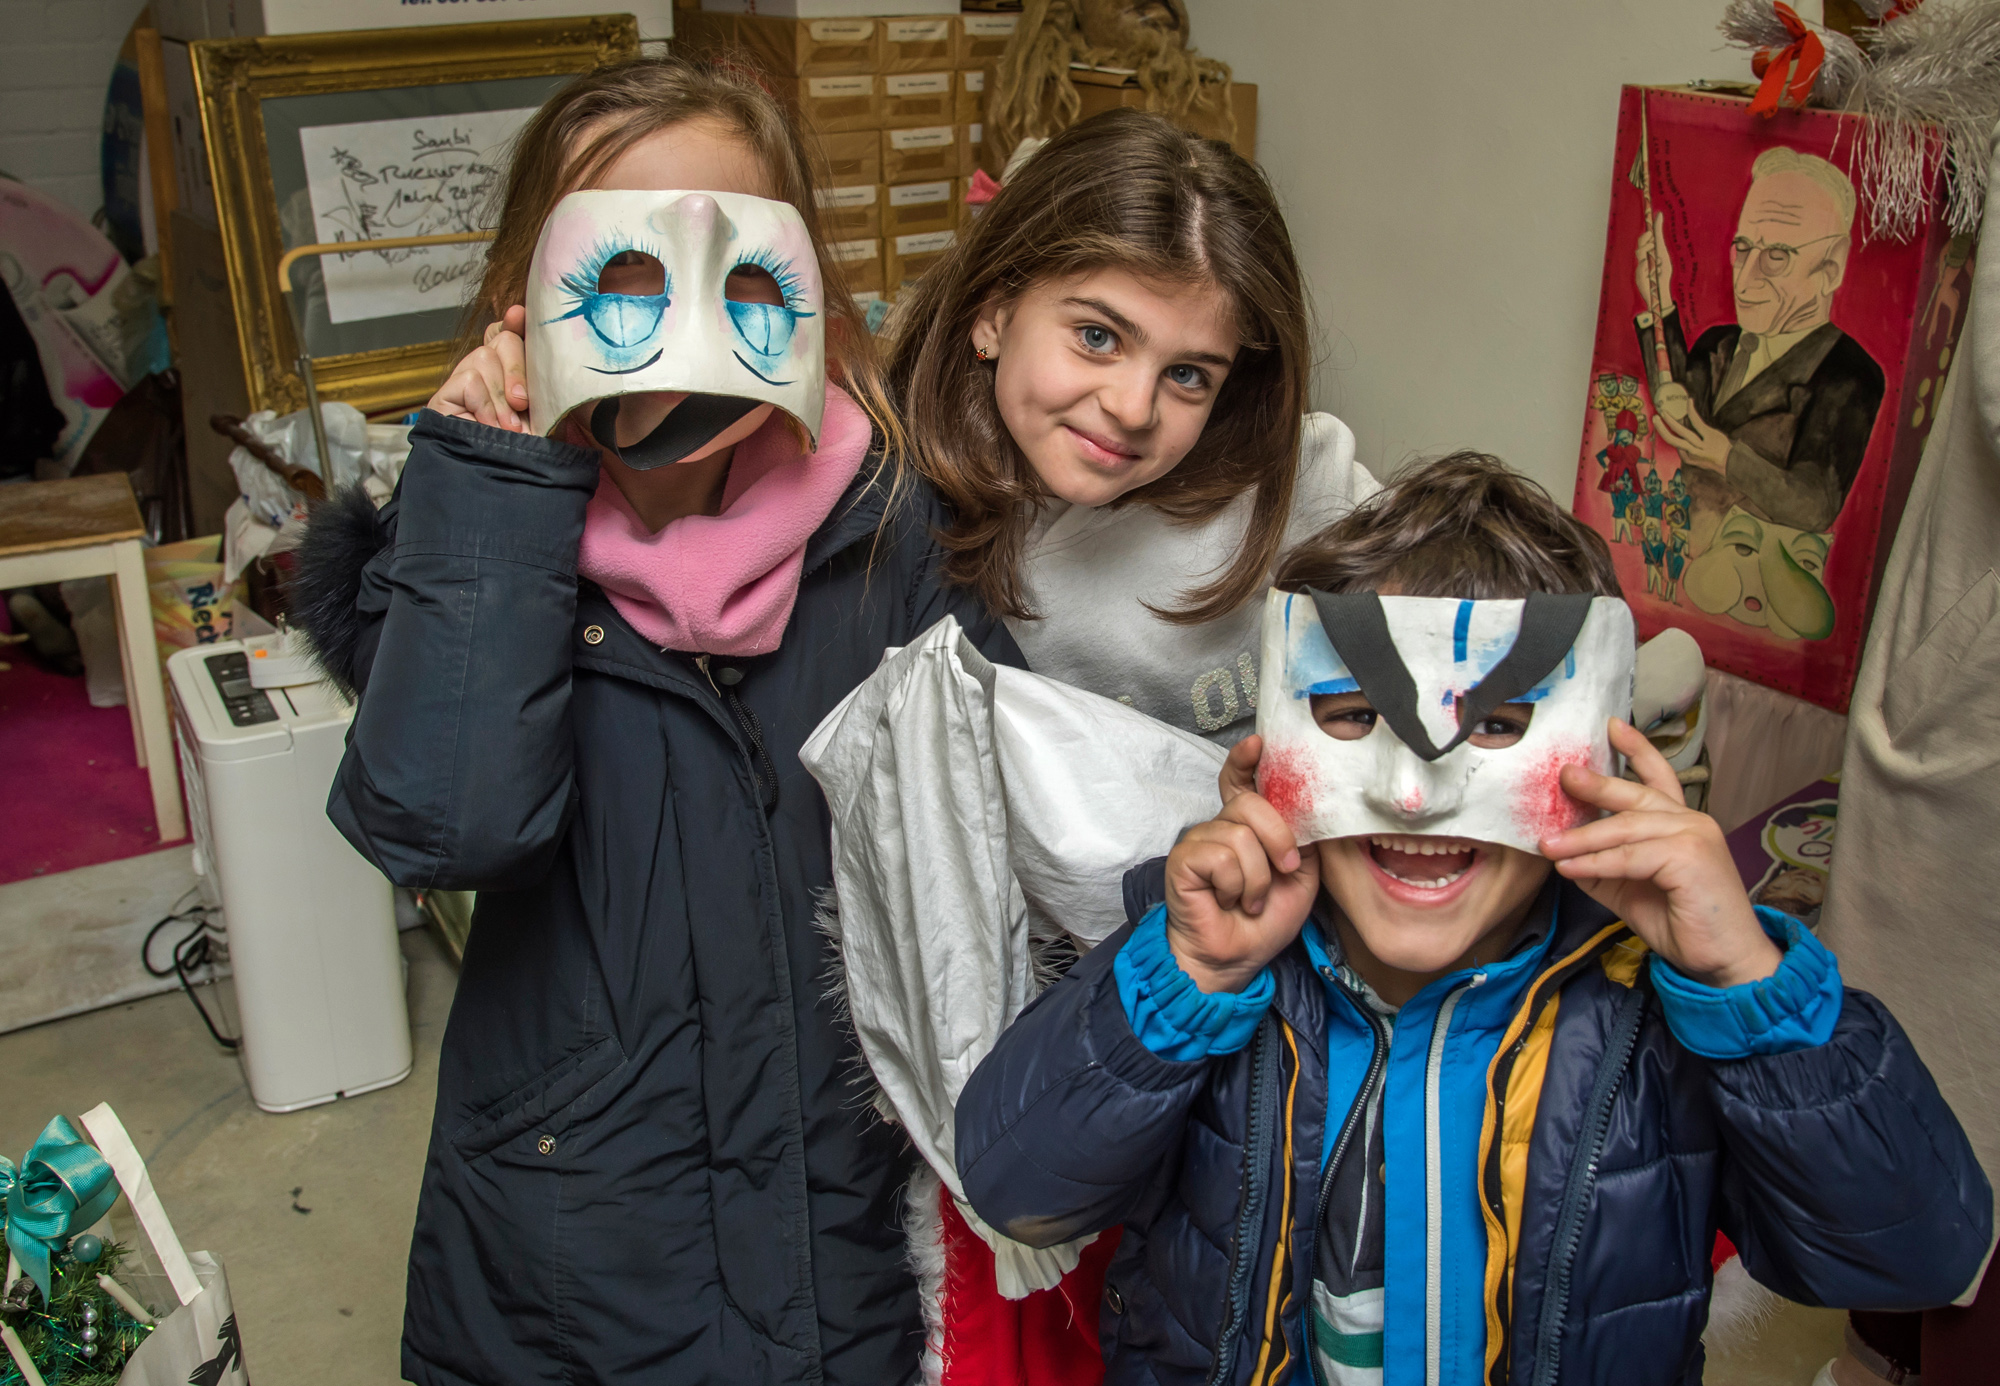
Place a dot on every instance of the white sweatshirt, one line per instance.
(1088, 573)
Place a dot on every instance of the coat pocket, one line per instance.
(550, 1102)
(1957, 660)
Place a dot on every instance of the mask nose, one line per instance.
(698, 215)
(1415, 790)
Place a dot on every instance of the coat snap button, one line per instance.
(728, 677)
(1114, 1299)
(593, 635)
(547, 1145)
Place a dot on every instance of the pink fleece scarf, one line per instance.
(724, 584)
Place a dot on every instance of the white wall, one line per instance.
(1445, 167)
(55, 64)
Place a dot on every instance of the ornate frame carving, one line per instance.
(232, 79)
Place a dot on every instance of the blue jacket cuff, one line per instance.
(1794, 1008)
(1173, 1017)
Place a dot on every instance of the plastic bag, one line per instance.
(270, 500)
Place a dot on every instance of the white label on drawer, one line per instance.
(917, 30)
(976, 133)
(844, 251)
(918, 84)
(989, 25)
(929, 137)
(840, 30)
(917, 194)
(862, 196)
(974, 80)
(927, 243)
(819, 88)
(863, 299)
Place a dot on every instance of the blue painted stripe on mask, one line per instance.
(1460, 631)
(1326, 686)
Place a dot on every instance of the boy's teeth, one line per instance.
(1416, 846)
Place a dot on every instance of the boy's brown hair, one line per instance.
(1466, 525)
(1123, 190)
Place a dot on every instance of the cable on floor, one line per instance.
(196, 949)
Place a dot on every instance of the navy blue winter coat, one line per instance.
(1837, 1170)
(647, 1162)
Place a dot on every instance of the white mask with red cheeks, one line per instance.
(679, 332)
(1432, 668)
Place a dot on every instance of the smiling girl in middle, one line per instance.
(1107, 380)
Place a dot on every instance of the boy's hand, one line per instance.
(1664, 868)
(491, 383)
(1238, 888)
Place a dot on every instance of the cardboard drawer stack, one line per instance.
(896, 103)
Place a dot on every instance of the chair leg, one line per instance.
(147, 690)
(125, 668)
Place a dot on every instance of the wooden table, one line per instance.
(89, 526)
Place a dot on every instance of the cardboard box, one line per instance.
(211, 365)
(223, 19)
(982, 38)
(912, 208)
(850, 213)
(849, 158)
(972, 96)
(860, 264)
(911, 99)
(972, 150)
(911, 257)
(915, 156)
(831, 9)
(835, 104)
(788, 47)
(1103, 91)
(919, 45)
(192, 184)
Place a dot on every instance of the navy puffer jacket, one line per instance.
(1837, 1170)
(647, 1161)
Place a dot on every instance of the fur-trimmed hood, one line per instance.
(342, 537)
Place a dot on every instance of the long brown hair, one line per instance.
(580, 130)
(1123, 190)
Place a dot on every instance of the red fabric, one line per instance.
(1724, 1249)
(983, 190)
(1801, 59)
(1961, 1346)
(1047, 1339)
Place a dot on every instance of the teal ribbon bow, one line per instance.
(62, 1187)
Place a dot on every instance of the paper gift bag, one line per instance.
(195, 1343)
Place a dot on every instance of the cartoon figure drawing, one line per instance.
(1677, 548)
(1774, 411)
(1653, 546)
(1617, 398)
(1655, 500)
(1946, 295)
(1623, 497)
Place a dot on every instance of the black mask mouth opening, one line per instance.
(689, 427)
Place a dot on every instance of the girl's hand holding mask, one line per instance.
(491, 383)
(1664, 868)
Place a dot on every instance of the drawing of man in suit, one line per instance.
(1777, 406)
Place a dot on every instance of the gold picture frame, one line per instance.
(235, 78)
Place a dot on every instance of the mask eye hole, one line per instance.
(1502, 727)
(633, 273)
(753, 284)
(1344, 716)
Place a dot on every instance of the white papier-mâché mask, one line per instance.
(1425, 663)
(728, 357)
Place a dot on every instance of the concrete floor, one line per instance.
(319, 1293)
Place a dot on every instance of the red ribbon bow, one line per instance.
(1801, 58)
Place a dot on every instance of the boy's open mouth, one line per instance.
(1426, 863)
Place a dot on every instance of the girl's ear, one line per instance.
(987, 329)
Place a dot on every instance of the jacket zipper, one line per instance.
(1377, 1062)
(1582, 1182)
(1258, 1144)
(1434, 1185)
(763, 770)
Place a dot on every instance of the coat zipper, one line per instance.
(763, 770)
(1434, 1185)
(1376, 1063)
(1582, 1182)
(1258, 1145)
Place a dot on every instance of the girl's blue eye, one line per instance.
(1187, 377)
(1097, 338)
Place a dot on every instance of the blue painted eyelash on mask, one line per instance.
(765, 329)
(621, 321)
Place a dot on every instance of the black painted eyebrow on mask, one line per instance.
(1358, 628)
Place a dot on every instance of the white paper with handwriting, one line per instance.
(423, 176)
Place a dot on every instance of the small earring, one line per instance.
(982, 353)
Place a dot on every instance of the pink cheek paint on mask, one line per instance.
(1285, 779)
(1544, 808)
